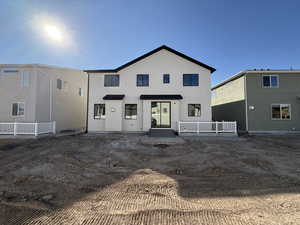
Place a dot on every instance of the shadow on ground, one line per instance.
(127, 179)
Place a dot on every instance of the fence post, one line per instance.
(217, 127)
(36, 129)
(178, 127)
(54, 127)
(235, 125)
(15, 128)
(198, 128)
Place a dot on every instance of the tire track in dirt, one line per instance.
(147, 198)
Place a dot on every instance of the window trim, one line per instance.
(169, 80)
(18, 109)
(142, 74)
(198, 76)
(280, 105)
(105, 75)
(194, 104)
(270, 75)
(125, 111)
(100, 117)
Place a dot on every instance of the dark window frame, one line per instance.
(109, 80)
(193, 113)
(144, 82)
(16, 106)
(102, 114)
(281, 106)
(166, 78)
(130, 108)
(269, 83)
(191, 80)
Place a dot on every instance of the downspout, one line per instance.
(246, 102)
(87, 103)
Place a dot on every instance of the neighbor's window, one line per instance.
(190, 79)
(111, 80)
(25, 79)
(142, 80)
(130, 111)
(59, 84)
(270, 81)
(80, 92)
(99, 111)
(281, 111)
(166, 78)
(194, 110)
(18, 109)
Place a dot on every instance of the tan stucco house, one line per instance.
(40, 93)
(155, 90)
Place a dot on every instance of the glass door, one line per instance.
(161, 114)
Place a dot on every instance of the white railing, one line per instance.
(27, 128)
(197, 127)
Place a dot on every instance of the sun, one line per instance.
(54, 33)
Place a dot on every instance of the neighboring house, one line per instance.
(259, 100)
(40, 93)
(155, 90)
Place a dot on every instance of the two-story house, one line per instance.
(261, 101)
(35, 93)
(155, 90)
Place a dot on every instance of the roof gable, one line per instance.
(151, 53)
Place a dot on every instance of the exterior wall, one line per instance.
(232, 111)
(261, 98)
(162, 62)
(11, 92)
(231, 92)
(64, 106)
(228, 103)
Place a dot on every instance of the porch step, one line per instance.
(162, 133)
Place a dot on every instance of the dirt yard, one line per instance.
(130, 179)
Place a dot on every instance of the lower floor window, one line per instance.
(194, 110)
(130, 111)
(281, 111)
(18, 109)
(99, 111)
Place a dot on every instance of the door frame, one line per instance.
(170, 112)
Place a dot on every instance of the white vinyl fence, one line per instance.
(197, 127)
(27, 128)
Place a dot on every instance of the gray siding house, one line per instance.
(261, 101)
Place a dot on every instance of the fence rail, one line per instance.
(197, 127)
(36, 129)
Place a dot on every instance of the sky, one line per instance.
(229, 35)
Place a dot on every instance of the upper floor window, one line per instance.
(190, 79)
(142, 80)
(111, 80)
(166, 78)
(18, 109)
(59, 84)
(25, 79)
(10, 71)
(270, 81)
(130, 111)
(194, 110)
(281, 111)
(99, 111)
(80, 92)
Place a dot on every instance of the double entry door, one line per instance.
(160, 114)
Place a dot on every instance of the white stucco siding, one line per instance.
(162, 62)
(12, 91)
